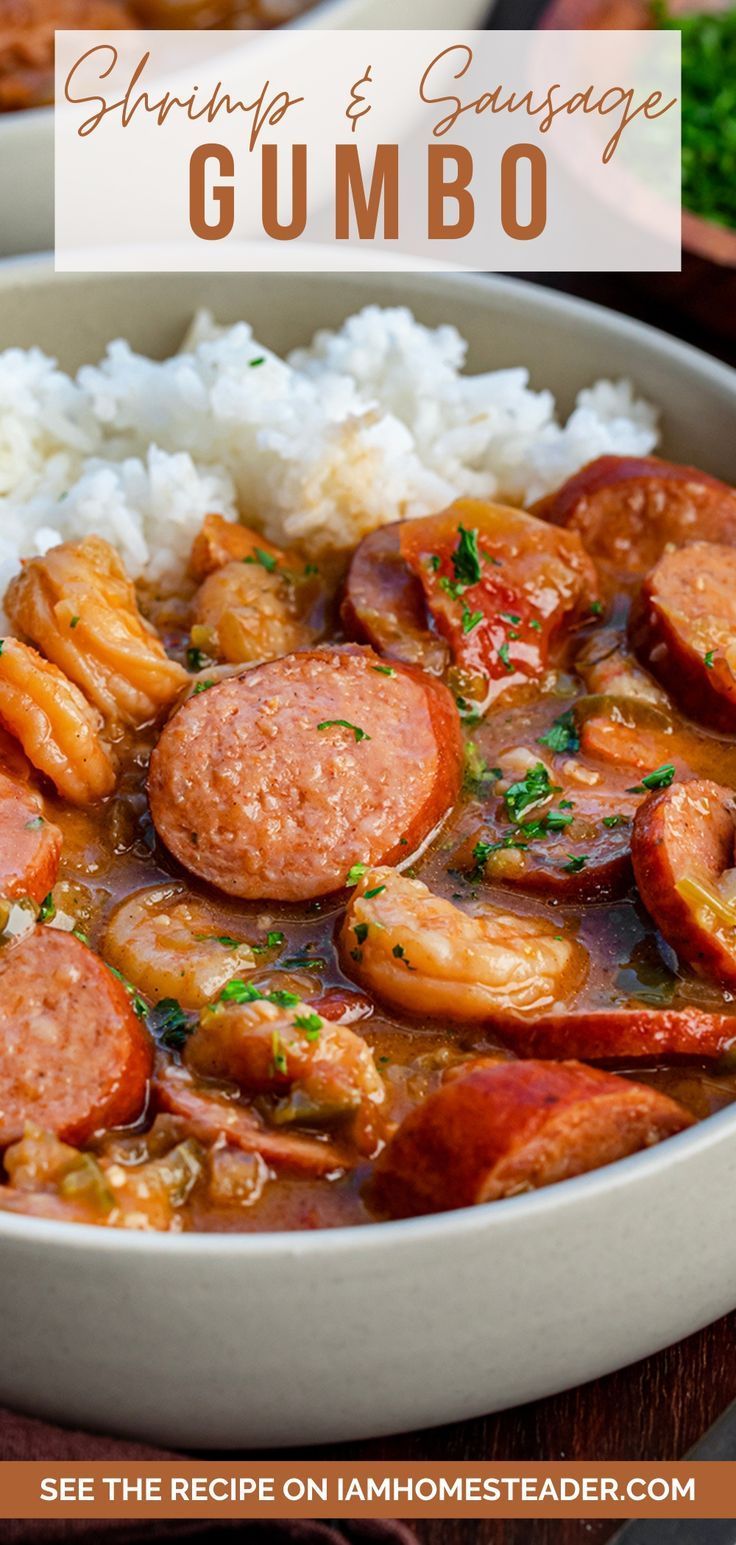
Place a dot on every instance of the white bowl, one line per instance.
(220, 1341)
(27, 139)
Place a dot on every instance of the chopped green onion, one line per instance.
(344, 724)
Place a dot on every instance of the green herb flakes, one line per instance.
(530, 790)
(310, 1024)
(661, 778)
(170, 1024)
(562, 735)
(466, 558)
(355, 874)
(344, 724)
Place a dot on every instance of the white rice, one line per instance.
(369, 424)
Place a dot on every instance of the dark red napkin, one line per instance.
(21, 1437)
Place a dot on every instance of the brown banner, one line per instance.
(336, 1490)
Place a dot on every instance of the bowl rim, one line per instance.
(464, 1221)
(455, 1225)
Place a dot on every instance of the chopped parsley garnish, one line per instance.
(512, 617)
(79, 933)
(195, 658)
(356, 873)
(399, 954)
(35, 823)
(344, 724)
(238, 991)
(566, 804)
(709, 659)
(383, 670)
(47, 909)
(574, 864)
(466, 558)
(2, 645)
(304, 963)
(483, 850)
(534, 787)
(467, 711)
(503, 655)
(612, 821)
(139, 1003)
(278, 1053)
(596, 608)
(368, 895)
(562, 735)
(73, 622)
(274, 939)
(556, 820)
(311, 1024)
(266, 560)
(450, 588)
(477, 771)
(470, 619)
(433, 562)
(536, 625)
(310, 569)
(361, 932)
(261, 360)
(203, 686)
(171, 1024)
(661, 778)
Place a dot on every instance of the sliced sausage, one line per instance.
(212, 1117)
(30, 846)
(497, 586)
(683, 626)
(516, 1126)
(586, 860)
(277, 782)
(384, 604)
(682, 848)
(73, 1055)
(638, 738)
(343, 1003)
(627, 509)
(622, 1035)
(607, 668)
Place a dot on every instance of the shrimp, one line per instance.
(79, 607)
(168, 943)
(57, 728)
(253, 610)
(423, 954)
(220, 541)
(322, 1070)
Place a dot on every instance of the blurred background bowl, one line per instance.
(27, 138)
